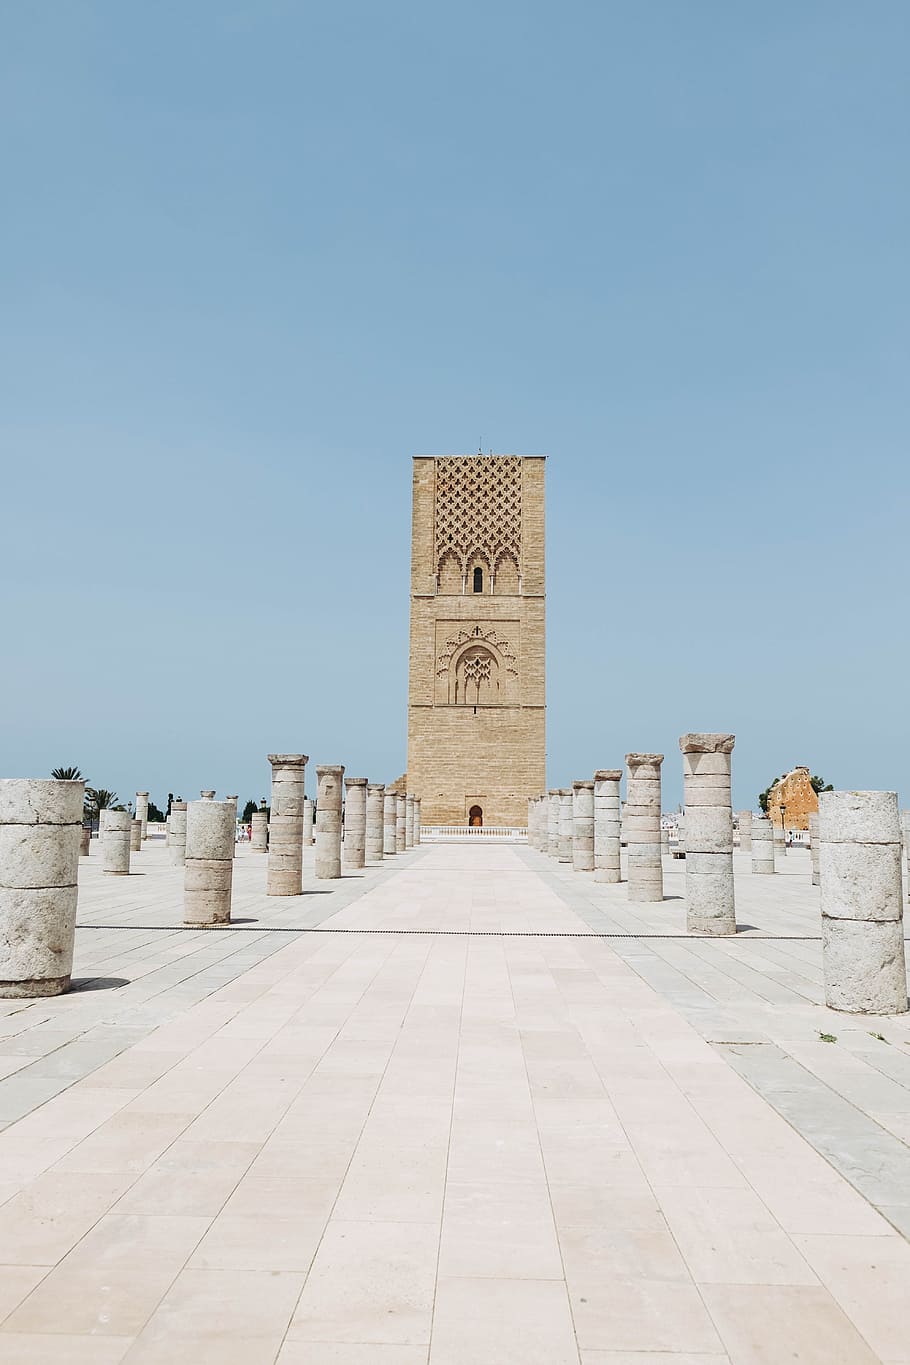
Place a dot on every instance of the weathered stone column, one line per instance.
(328, 821)
(905, 835)
(285, 868)
(813, 847)
(389, 824)
(565, 824)
(762, 845)
(583, 826)
(745, 831)
(208, 875)
(642, 827)
(681, 837)
(374, 835)
(178, 833)
(85, 841)
(710, 902)
(553, 823)
(862, 902)
(664, 841)
(355, 821)
(779, 840)
(259, 831)
(309, 822)
(114, 834)
(135, 836)
(416, 821)
(409, 821)
(40, 825)
(606, 825)
(142, 813)
(207, 794)
(401, 823)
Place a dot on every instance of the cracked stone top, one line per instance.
(707, 744)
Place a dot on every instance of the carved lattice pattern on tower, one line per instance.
(478, 508)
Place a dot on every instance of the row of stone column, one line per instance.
(580, 825)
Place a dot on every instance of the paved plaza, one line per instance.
(465, 1107)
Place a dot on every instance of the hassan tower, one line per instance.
(476, 695)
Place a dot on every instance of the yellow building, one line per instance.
(476, 695)
(792, 800)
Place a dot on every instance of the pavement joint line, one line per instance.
(451, 933)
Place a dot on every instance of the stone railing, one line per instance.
(444, 833)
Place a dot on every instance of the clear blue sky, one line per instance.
(257, 255)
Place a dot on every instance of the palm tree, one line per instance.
(68, 775)
(98, 799)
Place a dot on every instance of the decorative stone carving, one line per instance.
(642, 827)
(606, 825)
(478, 511)
(40, 826)
(862, 902)
(710, 905)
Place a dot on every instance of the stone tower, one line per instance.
(476, 698)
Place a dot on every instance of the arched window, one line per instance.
(475, 817)
(478, 579)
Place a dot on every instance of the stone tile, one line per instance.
(370, 1282)
(727, 1236)
(259, 1243)
(509, 1322)
(16, 1283)
(869, 1277)
(348, 1353)
(53, 1213)
(35, 1348)
(768, 1324)
(501, 1231)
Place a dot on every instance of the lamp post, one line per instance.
(783, 823)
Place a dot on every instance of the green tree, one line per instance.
(68, 775)
(98, 799)
(820, 785)
(156, 814)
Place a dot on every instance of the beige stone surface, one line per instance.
(476, 699)
(516, 1139)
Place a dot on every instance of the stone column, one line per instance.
(142, 813)
(583, 826)
(813, 847)
(416, 821)
(681, 837)
(762, 845)
(664, 841)
(389, 824)
(779, 839)
(259, 831)
(401, 823)
(309, 822)
(409, 821)
(85, 841)
(328, 821)
(178, 833)
(642, 827)
(862, 902)
(565, 824)
(135, 836)
(745, 831)
(606, 825)
(355, 822)
(905, 835)
(114, 834)
(208, 875)
(374, 836)
(40, 825)
(553, 823)
(285, 868)
(710, 903)
(207, 794)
